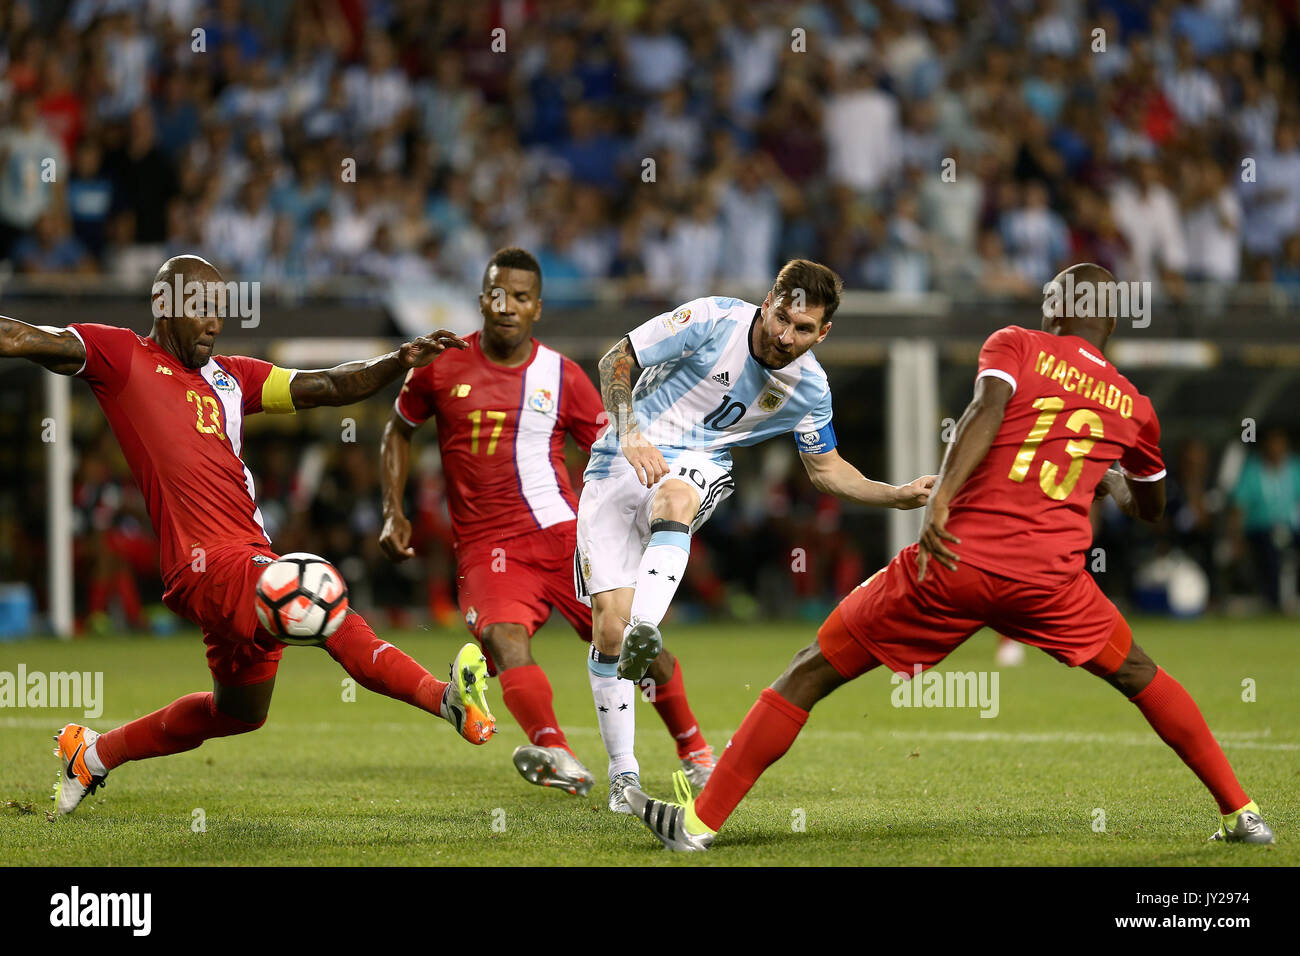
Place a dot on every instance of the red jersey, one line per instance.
(1023, 512)
(181, 431)
(501, 434)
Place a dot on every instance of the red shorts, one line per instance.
(219, 599)
(892, 620)
(519, 580)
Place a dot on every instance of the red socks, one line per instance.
(185, 723)
(527, 695)
(670, 702)
(1175, 717)
(764, 736)
(181, 725)
(380, 667)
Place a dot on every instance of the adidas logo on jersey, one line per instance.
(723, 379)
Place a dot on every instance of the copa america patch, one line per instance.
(542, 401)
(261, 559)
(677, 320)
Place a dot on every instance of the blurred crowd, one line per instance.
(1230, 540)
(665, 147)
(910, 144)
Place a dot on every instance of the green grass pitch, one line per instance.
(330, 782)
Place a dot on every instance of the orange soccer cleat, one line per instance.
(75, 778)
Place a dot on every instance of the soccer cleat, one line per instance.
(553, 767)
(675, 824)
(641, 645)
(1248, 827)
(618, 788)
(75, 779)
(698, 766)
(464, 705)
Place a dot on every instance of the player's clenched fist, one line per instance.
(423, 350)
(646, 460)
(395, 541)
(916, 493)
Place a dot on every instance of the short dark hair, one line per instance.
(820, 285)
(512, 257)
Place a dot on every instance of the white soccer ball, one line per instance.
(301, 598)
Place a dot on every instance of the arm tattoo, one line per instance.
(345, 384)
(56, 349)
(617, 370)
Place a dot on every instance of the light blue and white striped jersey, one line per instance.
(702, 390)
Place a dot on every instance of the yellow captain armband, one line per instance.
(276, 399)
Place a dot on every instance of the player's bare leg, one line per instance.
(379, 666)
(547, 759)
(764, 736)
(182, 725)
(1178, 721)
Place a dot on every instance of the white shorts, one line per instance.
(614, 520)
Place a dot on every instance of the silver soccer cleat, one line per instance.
(698, 766)
(1250, 828)
(667, 821)
(553, 767)
(618, 788)
(640, 648)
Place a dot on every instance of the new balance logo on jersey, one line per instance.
(162, 370)
(723, 379)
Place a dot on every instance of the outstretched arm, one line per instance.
(831, 474)
(618, 370)
(976, 430)
(353, 381)
(59, 350)
(395, 461)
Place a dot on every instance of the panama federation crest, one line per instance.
(542, 401)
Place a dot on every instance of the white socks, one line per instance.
(615, 711)
(93, 763)
(662, 565)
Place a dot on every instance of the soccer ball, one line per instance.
(301, 599)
